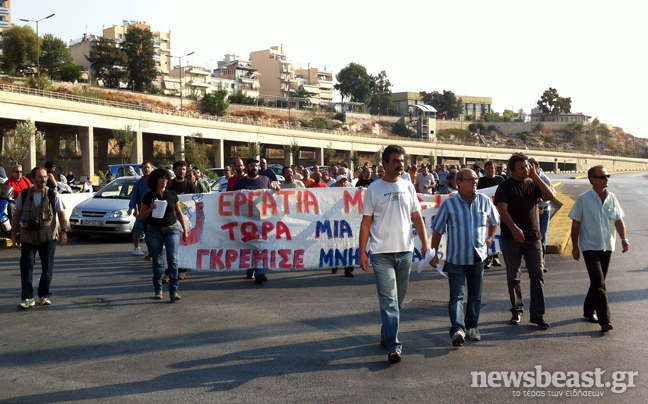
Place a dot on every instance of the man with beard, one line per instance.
(255, 181)
(238, 174)
(289, 181)
(180, 185)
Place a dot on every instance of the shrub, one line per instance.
(399, 129)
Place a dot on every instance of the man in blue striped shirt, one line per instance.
(470, 219)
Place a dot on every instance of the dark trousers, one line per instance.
(28, 259)
(597, 263)
(513, 252)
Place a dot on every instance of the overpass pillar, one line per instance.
(103, 141)
(347, 160)
(463, 160)
(52, 146)
(137, 151)
(288, 158)
(86, 138)
(319, 156)
(218, 146)
(147, 148)
(178, 147)
(30, 161)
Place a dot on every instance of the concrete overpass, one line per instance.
(92, 121)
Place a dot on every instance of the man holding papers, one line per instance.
(470, 219)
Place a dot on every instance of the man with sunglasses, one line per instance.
(264, 170)
(595, 216)
(18, 183)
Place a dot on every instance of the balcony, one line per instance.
(201, 84)
(4, 24)
(197, 72)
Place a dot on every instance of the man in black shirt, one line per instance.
(265, 171)
(516, 200)
(255, 181)
(180, 185)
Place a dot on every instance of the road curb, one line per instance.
(560, 224)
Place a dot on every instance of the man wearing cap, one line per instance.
(255, 181)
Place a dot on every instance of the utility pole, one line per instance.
(38, 46)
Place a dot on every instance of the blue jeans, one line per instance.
(28, 259)
(157, 238)
(392, 273)
(544, 230)
(459, 276)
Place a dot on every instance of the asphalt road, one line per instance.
(310, 336)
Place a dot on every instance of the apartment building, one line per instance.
(277, 73)
(318, 83)
(538, 116)
(192, 81)
(79, 49)
(5, 18)
(234, 75)
(161, 42)
(478, 107)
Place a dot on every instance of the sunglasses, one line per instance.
(18, 171)
(602, 177)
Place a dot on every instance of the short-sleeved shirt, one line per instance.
(521, 197)
(232, 180)
(467, 226)
(423, 181)
(260, 182)
(317, 185)
(391, 204)
(268, 173)
(363, 183)
(18, 186)
(38, 197)
(169, 218)
(292, 185)
(442, 177)
(487, 182)
(183, 187)
(597, 218)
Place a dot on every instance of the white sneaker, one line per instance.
(458, 338)
(474, 335)
(138, 251)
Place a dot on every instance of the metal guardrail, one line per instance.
(248, 121)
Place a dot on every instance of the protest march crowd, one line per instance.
(392, 206)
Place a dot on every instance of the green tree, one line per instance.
(380, 102)
(17, 149)
(196, 151)
(377, 157)
(138, 47)
(329, 153)
(55, 55)
(293, 149)
(355, 159)
(214, 103)
(109, 62)
(124, 139)
(71, 72)
(300, 92)
(448, 106)
(552, 103)
(18, 47)
(354, 83)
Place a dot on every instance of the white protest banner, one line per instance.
(292, 229)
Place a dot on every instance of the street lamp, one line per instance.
(37, 46)
(180, 58)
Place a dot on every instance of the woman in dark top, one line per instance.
(163, 232)
(50, 167)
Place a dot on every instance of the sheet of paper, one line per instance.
(158, 212)
(426, 260)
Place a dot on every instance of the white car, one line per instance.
(106, 212)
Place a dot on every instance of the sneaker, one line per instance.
(260, 279)
(606, 327)
(458, 338)
(182, 275)
(592, 318)
(515, 319)
(487, 265)
(349, 274)
(138, 251)
(175, 298)
(474, 335)
(159, 295)
(496, 262)
(149, 257)
(45, 301)
(395, 356)
(165, 279)
(249, 274)
(334, 270)
(27, 303)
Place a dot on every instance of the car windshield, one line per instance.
(118, 189)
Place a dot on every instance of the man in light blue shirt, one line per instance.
(139, 190)
(595, 215)
(470, 219)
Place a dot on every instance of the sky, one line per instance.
(592, 51)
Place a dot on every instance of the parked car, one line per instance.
(123, 170)
(278, 170)
(106, 212)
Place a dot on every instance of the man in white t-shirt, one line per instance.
(390, 207)
(425, 181)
